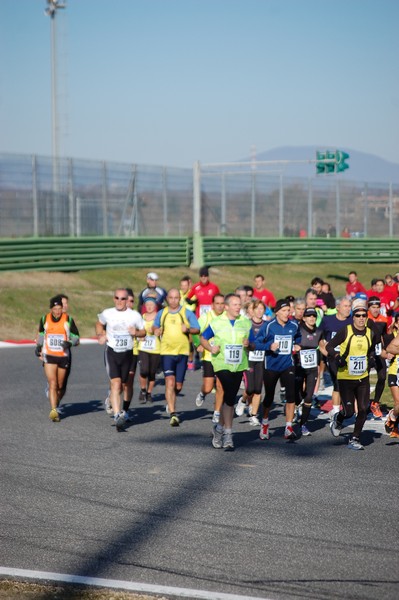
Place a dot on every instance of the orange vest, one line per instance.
(54, 334)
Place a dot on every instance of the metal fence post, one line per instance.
(253, 201)
(390, 211)
(165, 200)
(105, 198)
(223, 206)
(72, 220)
(197, 241)
(310, 203)
(34, 198)
(365, 210)
(281, 209)
(337, 208)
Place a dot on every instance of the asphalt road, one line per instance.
(159, 505)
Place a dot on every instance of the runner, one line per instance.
(378, 324)
(57, 333)
(354, 286)
(279, 338)
(208, 374)
(202, 292)
(392, 348)
(232, 336)
(115, 329)
(149, 352)
(356, 348)
(306, 368)
(330, 326)
(253, 377)
(262, 293)
(152, 288)
(173, 325)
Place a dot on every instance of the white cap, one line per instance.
(152, 276)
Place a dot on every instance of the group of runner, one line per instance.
(244, 339)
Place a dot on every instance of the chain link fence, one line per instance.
(75, 198)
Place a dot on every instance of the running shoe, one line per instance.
(264, 431)
(395, 432)
(174, 421)
(289, 433)
(321, 384)
(108, 407)
(216, 417)
(228, 443)
(354, 444)
(54, 416)
(305, 431)
(240, 407)
(167, 410)
(376, 410)
(335, 427)
(120, 421)
(254, 421)
(149, 398)
(390, 422)
(142, 397)
(315, 402)
(217, 439)
(60, 410)
(190, 366)
(298, 414)
(128, 414)
(199, 401)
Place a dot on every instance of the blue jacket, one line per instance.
(286, 335)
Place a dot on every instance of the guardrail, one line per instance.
(75, 254)
(258, 251)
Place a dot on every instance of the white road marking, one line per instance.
(131, 586)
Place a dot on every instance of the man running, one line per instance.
(231, 333)
(279, 338)
(115, 329)
(202, 292)
(174, 324)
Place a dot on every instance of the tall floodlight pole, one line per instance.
(51, 11)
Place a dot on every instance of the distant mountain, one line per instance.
(362, 166)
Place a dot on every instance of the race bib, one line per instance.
(284, 343)
(357, 365)
(256, 355)
(149, 343)
(204, 308)
(122, 342)
(308, 358)
(233, 354)
(54, 341)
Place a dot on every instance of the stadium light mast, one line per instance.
(51, 11)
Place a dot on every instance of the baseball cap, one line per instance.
(152, 276)
(361, 296)
(282, 303)
(310, 312)
(359, 309)
(358, 303)
(150, 299)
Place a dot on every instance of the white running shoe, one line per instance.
(108, 407)
(199, 401)
(216, 417)
(254, 421)
(240, 407)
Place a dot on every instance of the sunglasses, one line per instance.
(120, 297)
(360, 315)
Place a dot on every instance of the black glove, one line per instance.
(38, 350)
(372, 362)
(341, 361)
(66, 345)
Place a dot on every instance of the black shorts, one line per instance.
(253, 377)
(393, 380)
(207, 369)
(133, 364)
(149, 364)
(117, 364)
(61, 361)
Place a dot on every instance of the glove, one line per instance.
(66, 345)
(341, 361)
(372, 362)
(38, 350)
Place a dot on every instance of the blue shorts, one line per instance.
(175, 366)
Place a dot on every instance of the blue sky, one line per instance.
(173, 81)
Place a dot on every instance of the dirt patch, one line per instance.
(18, 590)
